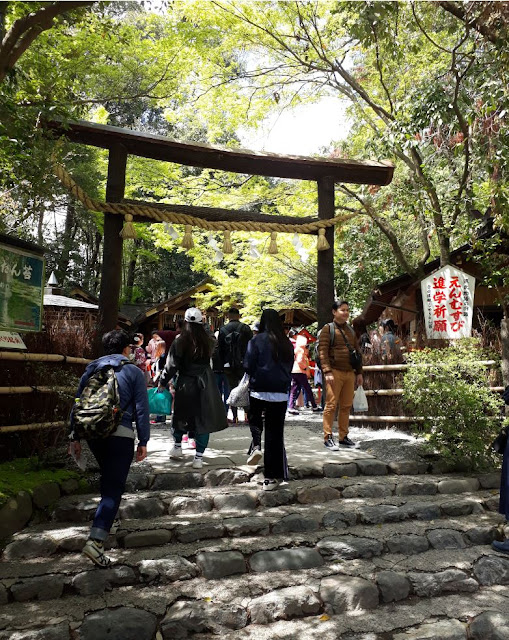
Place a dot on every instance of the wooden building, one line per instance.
(297, 317)
(400, 298)
(166, 313)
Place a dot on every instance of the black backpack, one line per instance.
(233, 356)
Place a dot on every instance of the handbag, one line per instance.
(355, 356)
(159, 401)
(499, 444)
(239, 395)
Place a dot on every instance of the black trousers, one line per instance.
(270, 415)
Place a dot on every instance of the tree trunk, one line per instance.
(63, 262)
(131, 272)
(504, 339)
(40, 225)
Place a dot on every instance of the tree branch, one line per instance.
(25, 30)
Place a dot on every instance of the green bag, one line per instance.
(159, 401)
(97, 412)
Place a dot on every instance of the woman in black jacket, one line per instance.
(198, 405)
(268, 362)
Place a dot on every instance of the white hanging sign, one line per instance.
(448, 301)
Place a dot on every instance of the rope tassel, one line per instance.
(227, 242)
(187, 240)
(321, 243)
(128, 230)
(273, 243)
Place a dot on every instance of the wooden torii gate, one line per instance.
(122, 142)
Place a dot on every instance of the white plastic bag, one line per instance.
(239, 395)
(360, 401)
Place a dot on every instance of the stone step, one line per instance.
(248, 497)
(184, 477)
(154, 521)
(366, 548)
(286, 604)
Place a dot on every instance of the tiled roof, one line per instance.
(51, 300)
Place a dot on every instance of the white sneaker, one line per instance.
(95, 551)
(255, 457)
(176, 453)
(197, 463)
(269, 484)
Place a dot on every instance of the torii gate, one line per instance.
(122, 142)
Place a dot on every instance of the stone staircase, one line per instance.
(359, 550)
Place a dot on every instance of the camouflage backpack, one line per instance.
(97, 411)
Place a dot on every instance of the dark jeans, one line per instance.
(300, 382)
(270, 415)
(114, 456)
(224, 387)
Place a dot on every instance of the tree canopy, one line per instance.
(425, 84)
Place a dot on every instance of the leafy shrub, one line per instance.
(449, 390)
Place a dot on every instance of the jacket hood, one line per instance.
(112, 360)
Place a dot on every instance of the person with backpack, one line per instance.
(341, 364)
(233, 340)
(198, 406)
(111, 395)
(268, 362)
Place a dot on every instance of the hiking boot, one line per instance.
(94, 550)
(329, 444)
(255, 456)
(346, 442)
(269, 484)
(176, 453)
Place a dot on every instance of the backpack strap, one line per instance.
(332, 334)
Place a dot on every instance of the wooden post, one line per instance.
(111, 274)
(325, 270)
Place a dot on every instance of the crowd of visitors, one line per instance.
(200, 370)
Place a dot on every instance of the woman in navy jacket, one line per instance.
(268, 362)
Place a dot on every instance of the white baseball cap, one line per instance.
(193, 315)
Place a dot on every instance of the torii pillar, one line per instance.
(325, 261)
(111, 274)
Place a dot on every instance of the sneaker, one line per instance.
(185, 439)
(176, 453)
(197, 463)
(346, 442)
(94, 550)
(192, 443)
(269, 484)
(329, 443)
(317, 409)
(293, 412)
(115, 526)
(255, 457)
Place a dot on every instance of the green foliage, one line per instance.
(449, 390)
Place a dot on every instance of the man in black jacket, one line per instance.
(233, 340)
